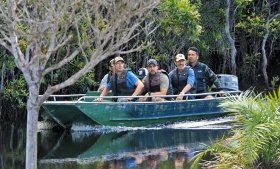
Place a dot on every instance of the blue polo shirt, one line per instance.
(130, 80)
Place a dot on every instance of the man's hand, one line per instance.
(222, 93)
(180, 97)
(99, 99)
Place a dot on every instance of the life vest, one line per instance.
(109, 77)
(200, 79)
(152, 83)
(179, 80)
(119, 85)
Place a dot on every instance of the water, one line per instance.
(167, 146)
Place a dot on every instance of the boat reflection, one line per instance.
(141, 148)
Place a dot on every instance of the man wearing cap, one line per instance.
(107, 77)
(156, 82)
(182, 77)
(142, 72)
(204, 76)
(123, 82)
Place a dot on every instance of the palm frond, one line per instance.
(257, 118)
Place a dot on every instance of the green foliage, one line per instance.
(274, 80)
(252, 18)
(212, 21)
(255, 142)
(243, 3)
(16, 92)
(84, 84)
(181, 16)
(274, 27)
(252, 24)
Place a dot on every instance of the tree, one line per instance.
(43, 36)
(179, 26)
(269, 19)
(258, 27)
(231, 41)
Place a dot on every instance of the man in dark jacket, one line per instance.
(204, 76)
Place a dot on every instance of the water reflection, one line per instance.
(150, 148)
(12, 147)
(162, 147)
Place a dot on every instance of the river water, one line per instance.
(167, 146)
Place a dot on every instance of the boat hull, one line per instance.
(150, 113)
(66, 114)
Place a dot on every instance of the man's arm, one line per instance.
(105, 91)
(103, 83)
(190, 83)
(164, 84)
(212, 78)
(139, 86)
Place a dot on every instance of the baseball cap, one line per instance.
(118, 58)
(152, 61)
(112, 61)
(180, 57)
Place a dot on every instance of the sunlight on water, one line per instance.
(108, 129)
(216, 123)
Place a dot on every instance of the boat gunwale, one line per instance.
(129, 102)
(84, 97)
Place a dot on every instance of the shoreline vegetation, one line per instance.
(255, 142)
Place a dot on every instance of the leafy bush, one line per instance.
(16, 92)
(255, 142)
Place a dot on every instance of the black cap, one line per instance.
(142, 72)
(152, 61)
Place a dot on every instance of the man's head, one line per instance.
(152, 66)
(119, 64)
(111, 64)
(142, 72)
(193, 55)
(180, 61)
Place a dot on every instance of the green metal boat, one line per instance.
(149, 113)
(86, 111)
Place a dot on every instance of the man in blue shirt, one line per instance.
(182, 77)
(123, 82)
(107, 77)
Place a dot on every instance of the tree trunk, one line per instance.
(31, 133)
(264, 58)
(231, 41)
(3, 73)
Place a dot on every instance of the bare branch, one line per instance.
(61, 63)
(273, 17)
